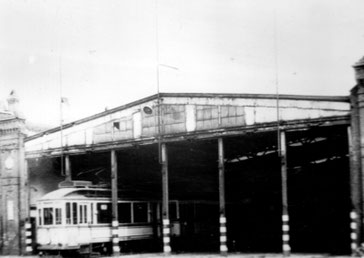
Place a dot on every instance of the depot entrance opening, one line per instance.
(318, 192)
(318, 189)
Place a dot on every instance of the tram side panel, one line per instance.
(71, 224)
(80, 219)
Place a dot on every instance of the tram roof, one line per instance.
(67, 192)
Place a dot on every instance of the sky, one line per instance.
(102, 54)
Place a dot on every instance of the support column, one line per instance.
(285, 217)
(356, 156)
(165, 203)
(114, 203)
(355, 229)
(28, 235)
(28, 224)
(68, 172)
(223, 238)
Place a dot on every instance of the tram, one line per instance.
(78, 219)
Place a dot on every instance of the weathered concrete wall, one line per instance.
(185, 114)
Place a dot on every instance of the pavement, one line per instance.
(201, 255)
(232, 255)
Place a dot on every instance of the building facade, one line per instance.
(13, 180)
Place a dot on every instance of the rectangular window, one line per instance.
(48, 216)
(124, 212)
(81, 214)
(40, 217)
(116, 125)
(103, 212)
(92, 213)
(85, 213)
(68, 213)
(140, 210)
(74, 212)
(58, 216)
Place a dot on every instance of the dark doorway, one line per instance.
(253, 192)
(319, 191)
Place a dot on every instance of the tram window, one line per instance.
(140, 212)
(40, 217)
(58, 216)
(68, 213)
(173, 210)
(124, 212)
(48, 216)
(103, 213)
(92, 213)
(74, 212)
(83, 213)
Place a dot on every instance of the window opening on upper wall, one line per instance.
(116, 125)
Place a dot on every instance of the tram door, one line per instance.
(84, 221)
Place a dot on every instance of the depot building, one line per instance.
(254, 172)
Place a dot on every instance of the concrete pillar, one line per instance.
(68, 171)
(223, 235)
(285, 216)
(165, 201)
(356, 150)
(28, 225)
(114, 200)
(355, 186)
(29, 237)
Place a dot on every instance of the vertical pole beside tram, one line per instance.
(165, 202)
(285, 217)
(68, 172)
(223, 238)
(114, 200)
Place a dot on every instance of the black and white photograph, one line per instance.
(182, 128)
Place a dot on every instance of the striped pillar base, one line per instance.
(223, 238)
(28, 238)
(285, 236)
(166, 237)
(115, 238)
(353, 234)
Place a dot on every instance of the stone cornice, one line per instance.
(10, 126)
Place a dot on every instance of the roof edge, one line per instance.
(191, 95)
(258, 96)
